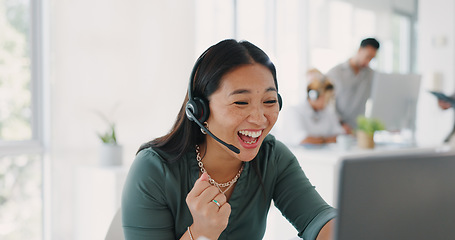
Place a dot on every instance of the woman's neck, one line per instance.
(218, 163)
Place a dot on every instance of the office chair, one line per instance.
(115, 231)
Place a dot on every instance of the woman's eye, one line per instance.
(270, 101)
(241, 103)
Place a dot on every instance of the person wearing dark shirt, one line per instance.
(216, 172)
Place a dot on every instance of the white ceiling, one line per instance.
(405, 6)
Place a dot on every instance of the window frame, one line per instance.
(409, 52)
(39, 141)
(36, 143)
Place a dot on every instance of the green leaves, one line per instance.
(369, 125)
(109, 136)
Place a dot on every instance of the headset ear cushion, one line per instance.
(190, 110)
(203, 109)
(280, 101)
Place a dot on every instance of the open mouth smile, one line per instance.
(249, 137)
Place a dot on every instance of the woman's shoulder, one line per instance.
(148, 162)
(150, 154)
(152, 166)
(152, 157)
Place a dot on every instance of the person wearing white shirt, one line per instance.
(314, 121)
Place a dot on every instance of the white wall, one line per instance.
(105, 53)
(436, 60)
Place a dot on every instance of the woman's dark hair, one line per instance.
(214, 63)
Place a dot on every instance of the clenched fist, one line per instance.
(209, 220)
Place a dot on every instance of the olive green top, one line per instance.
(154, 206)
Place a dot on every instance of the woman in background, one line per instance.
(314, 121)
(187, 184)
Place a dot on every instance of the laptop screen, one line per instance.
(409, 196)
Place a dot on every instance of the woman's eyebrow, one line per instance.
(239, 91)
(243, 91)
(273, 89)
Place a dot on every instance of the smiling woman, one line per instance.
(217, 171)
(245, 102)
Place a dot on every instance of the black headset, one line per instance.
(197, 109)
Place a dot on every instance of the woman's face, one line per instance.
(244, 109)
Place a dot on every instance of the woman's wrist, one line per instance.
(195, 233)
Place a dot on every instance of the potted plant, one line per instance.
(365, 131)
(110, 151)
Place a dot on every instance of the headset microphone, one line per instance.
(230, 146)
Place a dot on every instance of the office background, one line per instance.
(131, 60)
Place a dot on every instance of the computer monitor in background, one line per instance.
(397, 196)
(394, 100)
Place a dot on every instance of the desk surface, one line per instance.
(321, 164)
(332, 153)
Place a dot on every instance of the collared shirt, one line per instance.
(351, 91)
(301, 121)
(154, 206)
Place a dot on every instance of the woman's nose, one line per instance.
(257, 115)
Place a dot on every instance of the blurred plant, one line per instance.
(109, 136)
(369, 125)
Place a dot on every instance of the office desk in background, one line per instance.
(321, 166)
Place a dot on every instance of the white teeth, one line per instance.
(251, 142)
(254, 134)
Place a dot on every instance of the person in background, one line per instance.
(314, 121)
(446, 105)
(216, 172)
(353, 81)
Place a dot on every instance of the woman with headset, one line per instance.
(215, 173)
(314, 121)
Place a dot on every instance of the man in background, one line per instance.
(353, 80)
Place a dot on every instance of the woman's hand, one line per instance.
(209, 220)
